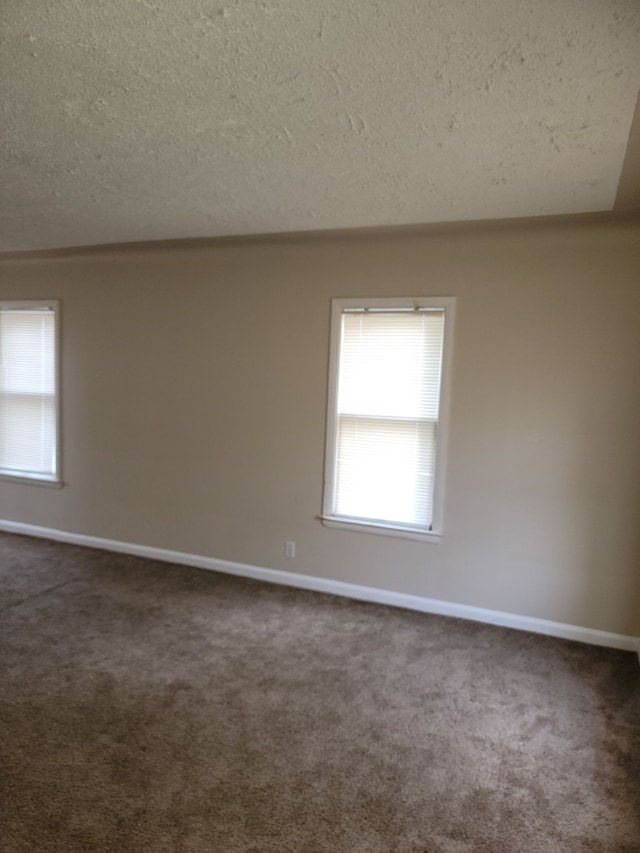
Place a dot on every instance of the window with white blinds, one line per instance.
(385, 438)
(29, 390)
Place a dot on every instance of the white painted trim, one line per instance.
(338, 306)
(55, 478)
(335, 587)
(360, 526)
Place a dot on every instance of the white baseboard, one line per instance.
(335, 587)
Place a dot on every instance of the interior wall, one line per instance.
(194, 392)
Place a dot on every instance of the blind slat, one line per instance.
(390, 364)
(388, 402)
(28, 391)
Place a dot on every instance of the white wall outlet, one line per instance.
(289, 548)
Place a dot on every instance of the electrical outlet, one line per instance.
(289, 548)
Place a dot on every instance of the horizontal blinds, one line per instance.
(387, 411)
(27, 391)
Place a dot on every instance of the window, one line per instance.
(386, 430)
(29, 400)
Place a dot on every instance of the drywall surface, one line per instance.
(130, 120)
(628, 196)
(194, 384)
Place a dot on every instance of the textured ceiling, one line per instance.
(128, 120)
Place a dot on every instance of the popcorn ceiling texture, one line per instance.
(131, 120)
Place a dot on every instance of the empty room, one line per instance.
(320, 426)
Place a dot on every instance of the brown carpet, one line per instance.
(148, 707)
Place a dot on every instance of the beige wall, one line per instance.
(194, 405)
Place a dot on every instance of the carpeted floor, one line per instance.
(148, 707)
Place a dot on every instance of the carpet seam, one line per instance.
(39, 594)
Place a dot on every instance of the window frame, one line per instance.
(34, 478)
(328, 518)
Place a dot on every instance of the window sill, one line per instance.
(360, 526)
(31, 480)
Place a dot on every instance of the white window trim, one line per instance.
(52, 480)
(434, 534)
